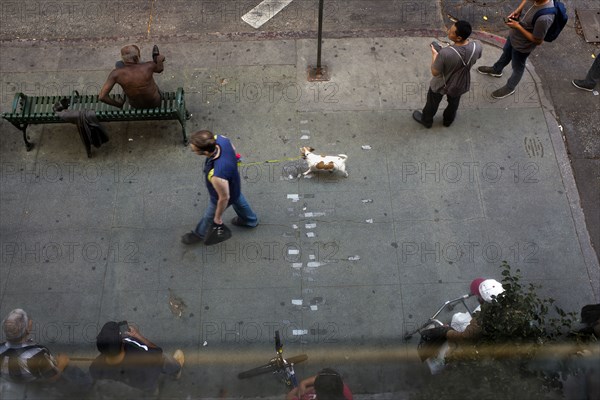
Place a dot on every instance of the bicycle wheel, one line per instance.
(263, 369)
(297, 359)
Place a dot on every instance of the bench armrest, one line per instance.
(179, 97)
(19, 98)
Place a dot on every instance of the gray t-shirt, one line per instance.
(447, 62)
(520, 42)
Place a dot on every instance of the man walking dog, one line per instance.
(224, 187)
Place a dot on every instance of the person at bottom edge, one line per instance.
(326, 385)
(130, 358)
(24, 361)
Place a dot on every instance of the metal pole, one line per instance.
(319, 73)
(320, 34)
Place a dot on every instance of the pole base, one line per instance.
(318, 74)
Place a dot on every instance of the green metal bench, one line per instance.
(31, 110)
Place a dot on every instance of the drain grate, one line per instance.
(590, 23)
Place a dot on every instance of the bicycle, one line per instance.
(433, 322)
(283, 367)
(433, 346)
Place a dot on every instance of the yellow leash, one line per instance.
(241, 164)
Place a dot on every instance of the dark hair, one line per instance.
(590, 314)
(329, 385)
(463, 29)
(204, 140)
(108, 340)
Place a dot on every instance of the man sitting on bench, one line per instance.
(136, 79)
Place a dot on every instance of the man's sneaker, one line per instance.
(190, 238)
(489, 71)
(583, 85)
(180, 358)
(503, 92)
(418, 116)
(237, 221)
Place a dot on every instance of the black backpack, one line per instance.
(560, 20)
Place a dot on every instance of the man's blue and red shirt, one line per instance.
(223, 166)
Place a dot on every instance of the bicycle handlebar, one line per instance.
(278, 365)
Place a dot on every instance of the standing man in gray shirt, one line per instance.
(450, 68)
(523, 38)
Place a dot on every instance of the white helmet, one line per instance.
(486, 288)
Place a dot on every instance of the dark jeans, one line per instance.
(433, 102)
(517, 60)
(593, 75)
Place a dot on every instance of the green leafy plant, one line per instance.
(516, 327)
(519, 317)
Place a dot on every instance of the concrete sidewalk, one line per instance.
(341, 266)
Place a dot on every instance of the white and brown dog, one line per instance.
(323, 163)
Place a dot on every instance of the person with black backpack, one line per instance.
(326, 385)
(451, 70)
(543, 21)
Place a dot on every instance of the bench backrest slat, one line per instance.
(48, 108)
(45, 104)
(34, 105)
(39, 105)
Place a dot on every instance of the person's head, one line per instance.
(486, 289)
(460, 31)
(16, 326)
(130, 54)
(590, 316)
(203, 141)
(108, 340)
(329, 385)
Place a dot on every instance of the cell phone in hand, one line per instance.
(436, 46)
(123, 328)
(155, 53)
